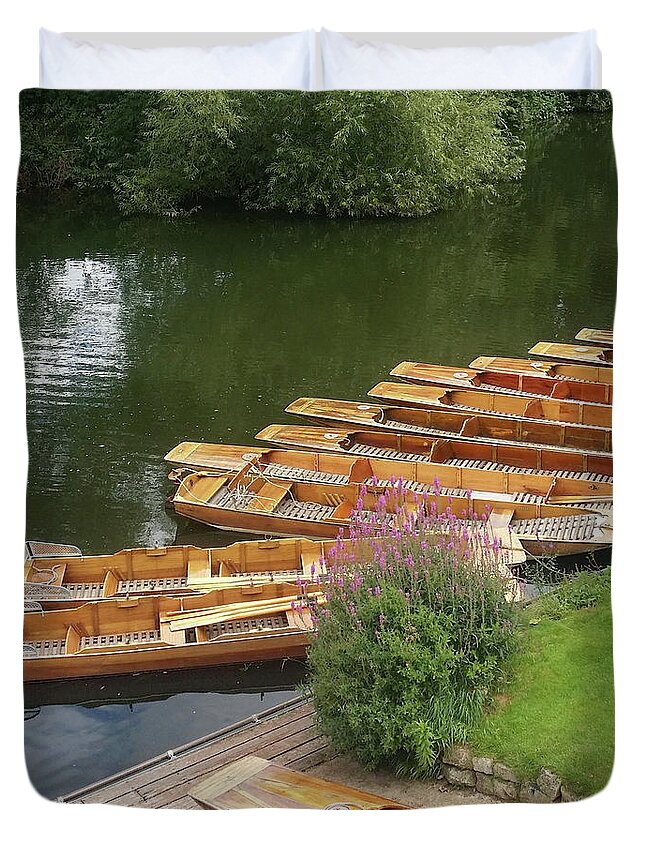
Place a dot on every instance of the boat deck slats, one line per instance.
(231, 498)
(274, 469)
(85, 590)
(246, 626)
(401, 426)
(151, 585)
(43, 648)
(563, 528)
(104, 641)
(513, 469)
(305, 510)
(386, 453)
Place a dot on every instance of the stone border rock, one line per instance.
(461, 767)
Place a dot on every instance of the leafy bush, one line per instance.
(331, 153)
(410, 642)
(576, 592)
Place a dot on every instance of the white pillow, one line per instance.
(285, 62)
(565, 62)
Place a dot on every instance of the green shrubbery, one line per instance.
(411, 641)
(331, 153)
(573, 592)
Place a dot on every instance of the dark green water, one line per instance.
(141, 333)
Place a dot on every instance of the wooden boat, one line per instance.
(605, 337)
(573, 352)
(251, 503)
(507, 458)
(343, 468)
(151, 632)
(524, 385)
(494, 403)
(552, 369)
(66, 581)
(453, 423)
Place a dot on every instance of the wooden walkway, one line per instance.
(286, 734)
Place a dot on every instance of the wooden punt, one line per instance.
(604, 337)
(254, 504)
(61, 582)
(343, 468)
(574, 352)
(453, 424)
(512, 458)
(553, 369)
(147, 633)
(507, 382)
(477, 401)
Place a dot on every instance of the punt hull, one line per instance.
(495, 403)
(573, 352)
(528, 458)
(552, 369)
(58, 583)
(454, 424)
(601, 337)
(521, 384)
(290, 644)
(325, 512)
(344, 468)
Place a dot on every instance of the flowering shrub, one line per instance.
(412, 633)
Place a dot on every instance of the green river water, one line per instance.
(141, 333)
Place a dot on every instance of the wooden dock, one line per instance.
(285, 734)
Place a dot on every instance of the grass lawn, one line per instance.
(558, 711)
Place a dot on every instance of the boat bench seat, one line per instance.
(85, 590)
(43, 648)
(110, 641)
(151, 585)
(242, 626)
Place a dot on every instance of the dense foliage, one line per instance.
(332, 153)
(411, 639)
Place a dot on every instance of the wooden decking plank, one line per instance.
(135, 777)
(301, 750)
(289, 736)
(175, 779)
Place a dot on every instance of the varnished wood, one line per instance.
(521, 384)
(255, 782)
(525, 458)
(318, 510)
(552, 369)
(604, 337)
(573, 352)
(444, 422)
(119, 636)
(346, 468)
(494, 403)
(175, 569)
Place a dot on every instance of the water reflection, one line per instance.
(88, 729)
(141, 333)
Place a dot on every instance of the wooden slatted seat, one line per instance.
(246, 626)
(293, 473)
(304, 510)
(561, 527)
(386, 453)
(85, 590)
(105, 641)
(151, 585)
(43, 648)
